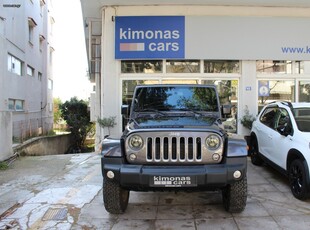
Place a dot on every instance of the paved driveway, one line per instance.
(64, 192)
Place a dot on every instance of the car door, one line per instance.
(282, 138)
(265, 131)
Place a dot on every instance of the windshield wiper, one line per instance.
(151, 110)
(194, 112)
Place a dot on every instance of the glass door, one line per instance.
(228, 94)
(128, 87)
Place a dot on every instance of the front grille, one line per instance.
(172, 149)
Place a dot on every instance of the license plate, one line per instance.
(173, 181)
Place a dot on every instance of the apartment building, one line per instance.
(26, 64)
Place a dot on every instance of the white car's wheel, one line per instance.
(298, 180)
(255, 158)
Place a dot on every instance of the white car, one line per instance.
(280, 136)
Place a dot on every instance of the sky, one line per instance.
(69, 59)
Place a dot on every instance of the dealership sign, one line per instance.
(212, 37)
(149, 37)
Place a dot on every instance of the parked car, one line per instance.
(174, 141)
(280, 136)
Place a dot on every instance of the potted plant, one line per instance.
(247, 119)
(107, 122)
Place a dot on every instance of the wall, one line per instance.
(5, 135)
(247, 93)
(110, 82)
(45, 146)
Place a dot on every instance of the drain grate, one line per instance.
(55, 214)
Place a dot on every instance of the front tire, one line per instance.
(235, 196)
(298, 180)
(115, 198)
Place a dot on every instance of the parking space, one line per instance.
(64, 192)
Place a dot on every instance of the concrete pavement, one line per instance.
(64, 192)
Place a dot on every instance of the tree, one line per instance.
(75, 112)
(57, 112)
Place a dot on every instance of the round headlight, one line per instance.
(213, 141)
(135, 142)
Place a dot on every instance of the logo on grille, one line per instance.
(174, 134)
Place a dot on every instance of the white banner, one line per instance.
(247, 38)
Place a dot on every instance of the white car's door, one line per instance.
(282, 138)
(282, 146)
(265, 131)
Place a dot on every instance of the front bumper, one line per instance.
(141, 177)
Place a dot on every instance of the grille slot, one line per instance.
(172, 149)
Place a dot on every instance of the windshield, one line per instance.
(302, 117)
(176, 98)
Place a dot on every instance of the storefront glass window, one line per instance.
(280, 67)
(221, 66)
(142, 66)
(275, 90)
(179, 66)
(304, 91)
(299, 67)
(128, 88)
(228, 94)
(180, 81)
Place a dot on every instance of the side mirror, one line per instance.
(226, 109)
(284, 130)
(125, 110)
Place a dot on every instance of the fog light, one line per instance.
(237, 174)
(215, 157)
(110, 174)
(132, 157)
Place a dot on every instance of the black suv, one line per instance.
(174, 140)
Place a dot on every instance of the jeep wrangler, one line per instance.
(174, 141)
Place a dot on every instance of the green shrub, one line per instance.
(247, 119)
(3, 165)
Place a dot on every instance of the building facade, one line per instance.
(26, 62)
(254, 52)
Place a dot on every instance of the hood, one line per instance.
(173, 122)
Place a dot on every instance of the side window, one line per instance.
(268, 116)
(283, 118)
(283, 121)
